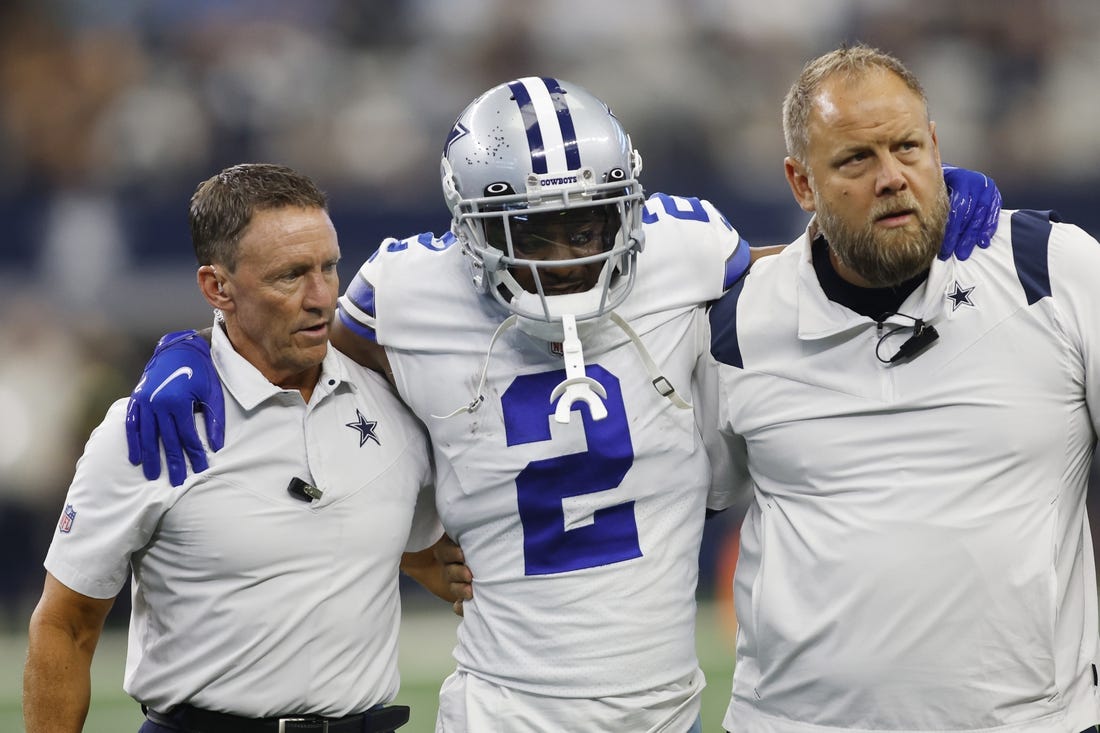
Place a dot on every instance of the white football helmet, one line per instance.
(535, 147)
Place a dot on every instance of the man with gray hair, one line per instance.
(266, 589)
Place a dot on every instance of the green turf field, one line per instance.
(426, 641)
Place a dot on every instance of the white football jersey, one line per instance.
(918, 557)
(583, 538)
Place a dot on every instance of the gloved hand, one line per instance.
(179, 377)
(975, 206)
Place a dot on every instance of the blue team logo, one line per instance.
(960, 296)
(67, 518)
(458, 132)
(365, 428)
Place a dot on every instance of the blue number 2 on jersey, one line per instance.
(542, 486)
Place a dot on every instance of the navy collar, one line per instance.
(871, 302)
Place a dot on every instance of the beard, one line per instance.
(888, 257)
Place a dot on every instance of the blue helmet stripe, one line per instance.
(565, 122)
(531, 123)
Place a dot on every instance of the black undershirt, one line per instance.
(875, 303)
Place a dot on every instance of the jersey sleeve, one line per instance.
(110, 512)
(1074, 258)
(730, 483)
(692, 254)
(391, 266)
(397, 297)
(426, 526)
(356, 307)
(731, 247)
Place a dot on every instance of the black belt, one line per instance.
(197, 720)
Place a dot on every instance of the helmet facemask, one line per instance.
(555, 250)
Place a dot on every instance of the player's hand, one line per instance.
(975, 206)
(456, 574)
(178, 379)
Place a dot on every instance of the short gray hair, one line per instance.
(222, 206)
(852, 61)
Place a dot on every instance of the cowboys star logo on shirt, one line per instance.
(960, 296)
(366, 429)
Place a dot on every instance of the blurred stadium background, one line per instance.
(112, 110)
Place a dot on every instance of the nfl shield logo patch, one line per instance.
(67, 518)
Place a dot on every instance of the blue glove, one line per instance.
(975, 206)
(179, 378)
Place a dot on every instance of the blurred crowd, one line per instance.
(112, 110)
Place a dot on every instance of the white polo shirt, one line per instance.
(246, 599)
(917, 557)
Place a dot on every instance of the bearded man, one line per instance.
(916, 434)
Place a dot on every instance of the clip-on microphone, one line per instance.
(923, 336)
(299, 489)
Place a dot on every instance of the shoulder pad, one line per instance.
(699, 238)
(389, 262)
(427, 241)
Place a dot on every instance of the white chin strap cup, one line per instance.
(577, 386)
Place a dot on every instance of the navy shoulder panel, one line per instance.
(723, 327)
(1030, 240)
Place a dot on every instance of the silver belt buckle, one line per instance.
(284, 721)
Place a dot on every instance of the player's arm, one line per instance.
(426, 568)
(975, 207)
(456, 573)
(361, 350)
(179, 379)
(756, 253)
(64, 630)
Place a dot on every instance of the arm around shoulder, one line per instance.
(756, 253)
(64, 631)
(441, 569)
(425, 568)
(361, 350)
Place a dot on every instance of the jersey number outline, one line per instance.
(543, 485)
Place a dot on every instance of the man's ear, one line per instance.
(935, 142)
(214, 288)
(799, 181)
